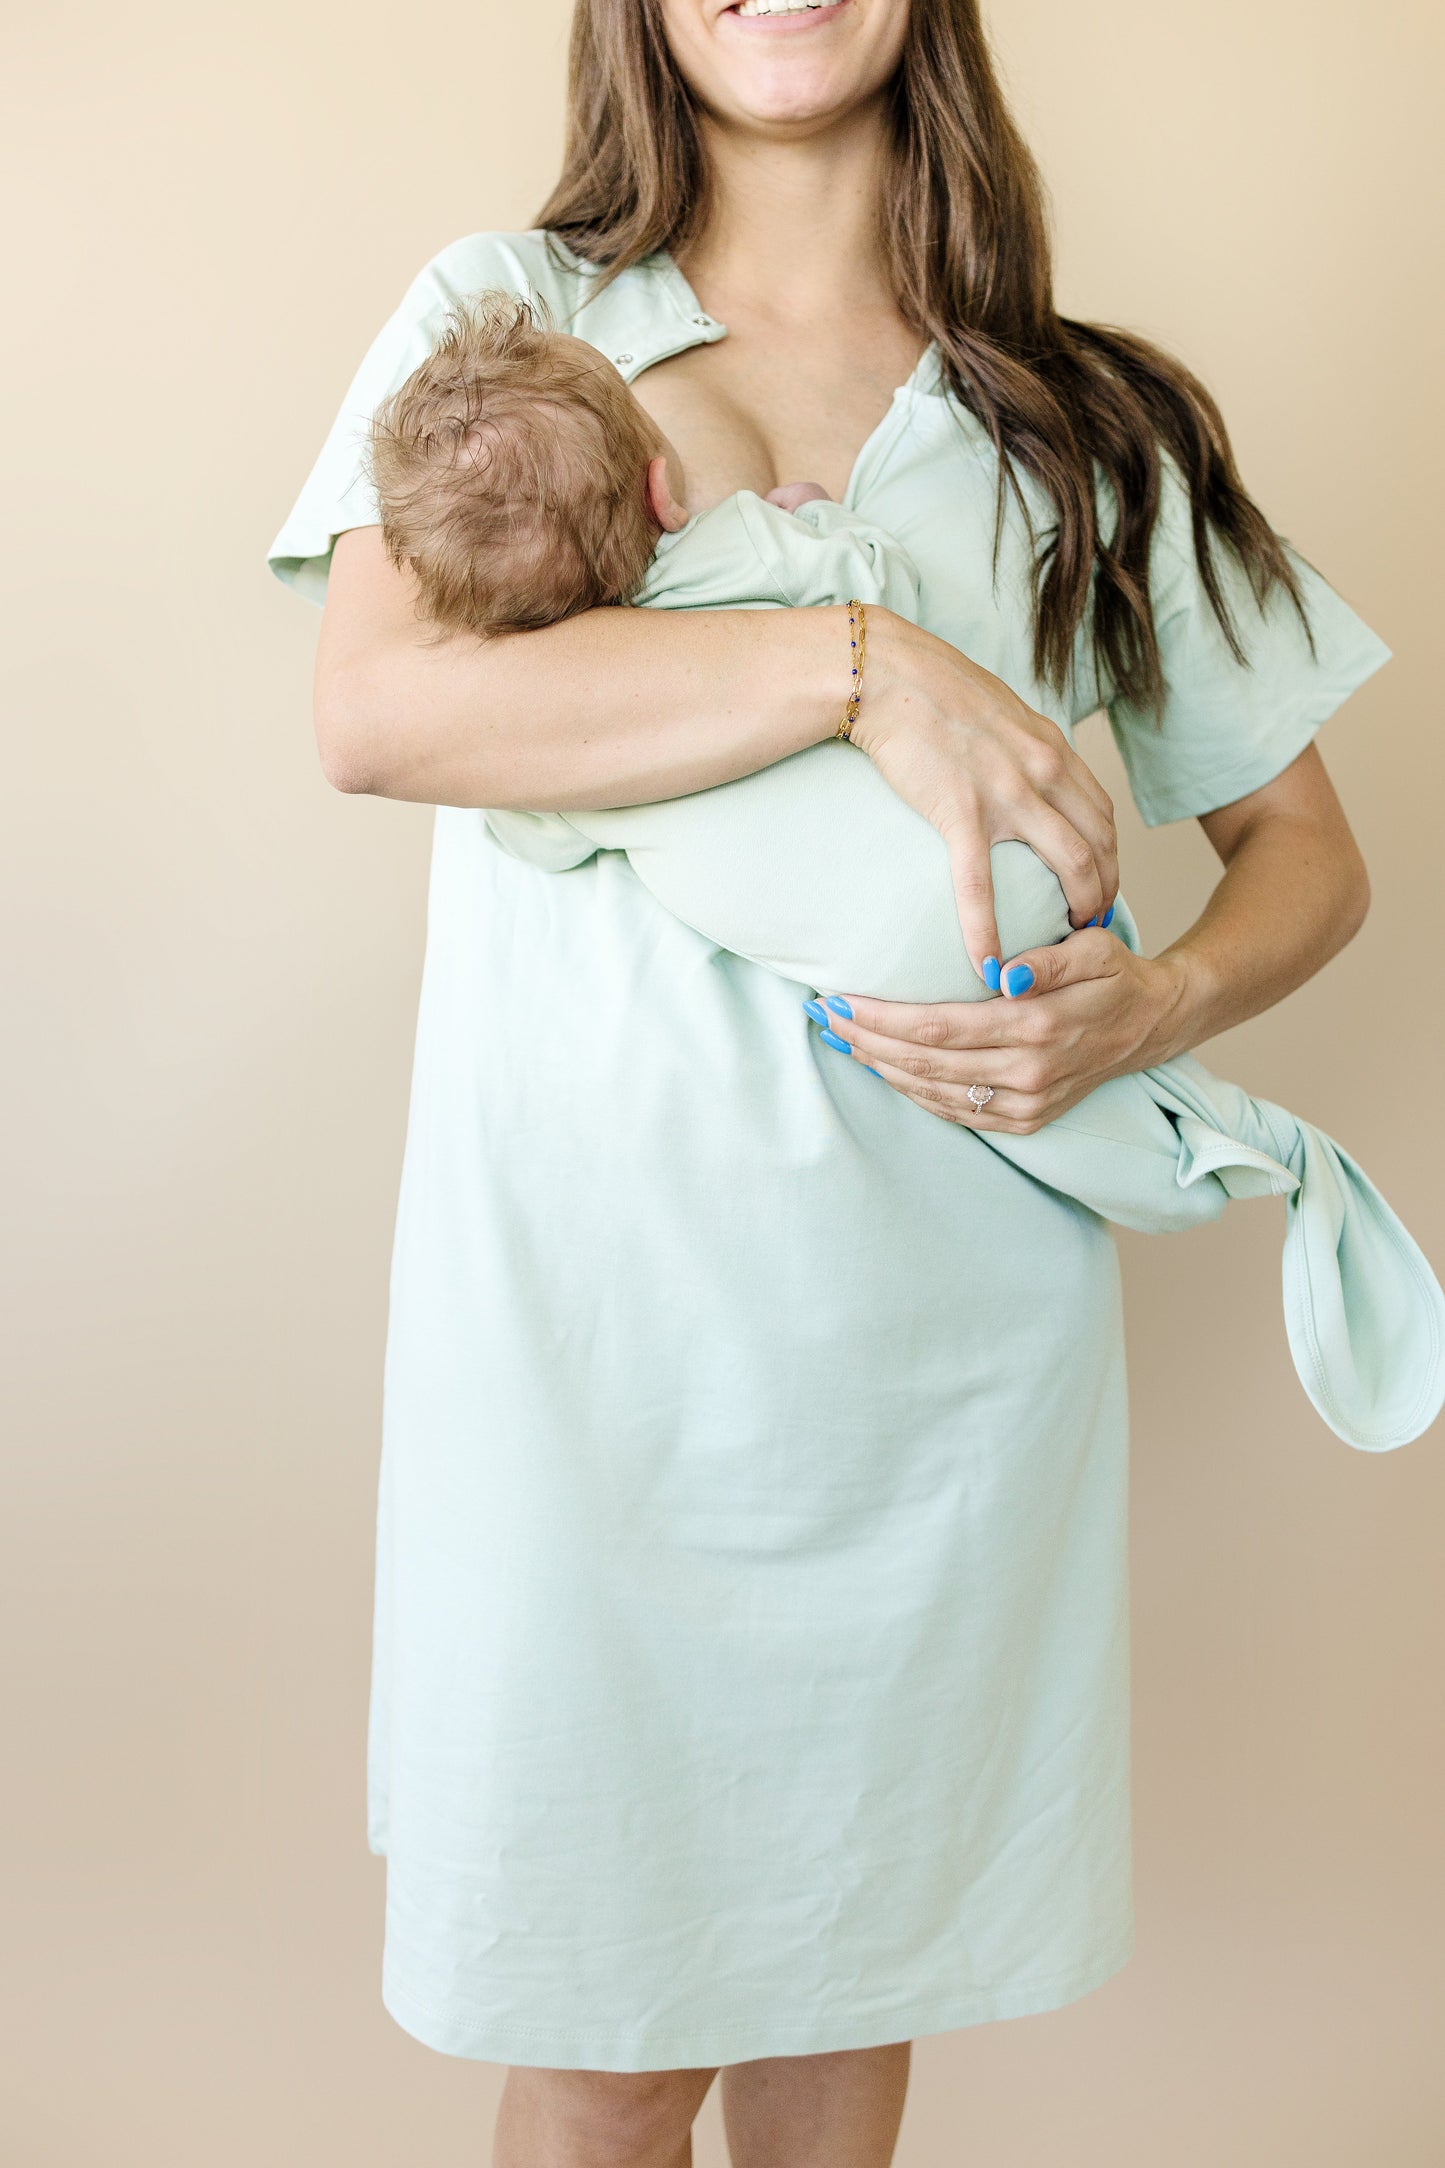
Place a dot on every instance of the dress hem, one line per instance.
(533, 2048)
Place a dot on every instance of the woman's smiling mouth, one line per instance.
(786, 14)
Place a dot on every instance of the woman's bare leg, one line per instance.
(599, 2118)
(816, 2111)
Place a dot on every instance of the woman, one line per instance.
(751, 1670)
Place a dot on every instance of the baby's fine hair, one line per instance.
(509, 468)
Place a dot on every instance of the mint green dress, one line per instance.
(751, 1659)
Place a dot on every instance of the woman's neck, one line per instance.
(792, 231)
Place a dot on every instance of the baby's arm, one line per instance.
(825, 553)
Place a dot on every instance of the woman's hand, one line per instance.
(1293, 892)
(982, 766)
(1072, 1016)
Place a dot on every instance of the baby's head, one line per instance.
(518, 478)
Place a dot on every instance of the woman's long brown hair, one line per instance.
(965, 238)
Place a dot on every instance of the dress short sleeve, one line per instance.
(1228, 729)
(337, 494)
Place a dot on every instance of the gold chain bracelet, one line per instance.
(857, 644)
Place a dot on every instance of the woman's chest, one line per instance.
(752, 413)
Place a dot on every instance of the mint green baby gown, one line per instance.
(751, 1655)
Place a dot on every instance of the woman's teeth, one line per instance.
(781, 7)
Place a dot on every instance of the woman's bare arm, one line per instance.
(1295, 890)
(614, 707)
(624, 707)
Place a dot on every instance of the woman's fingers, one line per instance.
(947, 1054)
(991, 1088)
(1012, 1069)
(1051, 774)
(1035, 789)
(968, 855)
(1017, 1114)
(938, 1053)
(1071, 855)
(1091, 953)
(1011, 1064)
(982, 766)
(1089, 811)
(928, 1025)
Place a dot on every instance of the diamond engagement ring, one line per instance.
(979, 1096)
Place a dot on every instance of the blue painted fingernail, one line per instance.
(1108, 915)
(1088, 922)
(1017, 979)
(838, 1005)
(816, 1010)
(871, 1070)
(990, 973)
(830, 1038)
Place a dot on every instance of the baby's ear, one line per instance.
(478, 446)
(664, 507)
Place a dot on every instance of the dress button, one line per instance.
(702, 319)
(621, 358)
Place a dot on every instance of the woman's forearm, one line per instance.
(1294, 891)
(614, 707)
(624, 707)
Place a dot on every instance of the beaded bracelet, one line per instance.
(858, 644)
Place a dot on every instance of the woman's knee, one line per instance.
(613, 2119)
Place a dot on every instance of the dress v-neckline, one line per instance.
(710, 328)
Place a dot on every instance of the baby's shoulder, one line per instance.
(744, 552)
(711, 563)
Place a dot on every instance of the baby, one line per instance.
(520, 481)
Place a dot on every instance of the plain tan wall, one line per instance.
(214, 1000)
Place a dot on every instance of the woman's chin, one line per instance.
(802, 68)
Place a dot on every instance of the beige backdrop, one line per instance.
(215, 998)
